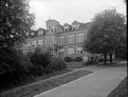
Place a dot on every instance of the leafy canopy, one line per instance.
(15, 22)
(106, 32)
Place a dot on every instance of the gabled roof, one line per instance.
(34, 33)
(75, 22)
(52, 20)
(41, 29)
(66, 24)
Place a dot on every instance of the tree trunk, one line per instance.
(110, 55)
(105, 59)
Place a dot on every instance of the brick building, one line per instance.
(66, 40)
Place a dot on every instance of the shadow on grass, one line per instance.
(121, 90)
(33, 89)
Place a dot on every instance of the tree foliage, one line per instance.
(15, 21)
(106, 33)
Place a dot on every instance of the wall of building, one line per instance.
(67, 43)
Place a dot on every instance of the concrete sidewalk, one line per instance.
(98, 84)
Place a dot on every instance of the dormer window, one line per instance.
(32, 34)
(65, 29)
(75, 25)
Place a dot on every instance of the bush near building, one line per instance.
(68, 59)
(17, 67)
(78, 59)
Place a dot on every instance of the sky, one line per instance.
(66, 11)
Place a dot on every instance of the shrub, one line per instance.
(37, 60)
(68, 59)
(83, 63)
(14, 67)
(58, 64)
(78, 59)
(42, 62)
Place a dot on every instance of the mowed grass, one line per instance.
(44, 85)
(121, 90)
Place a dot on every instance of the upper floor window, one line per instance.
(71, 39)
(52, 30)
(65, 29)
(51, 40)
(40, 42)
(61, 40)
(34, 43)
(40, 32)
(74, 27)
(80, 37)
(47, 40)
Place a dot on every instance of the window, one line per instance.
(40, 42)
(51, 30)
(40, 32)
(79, 50)
(51, 50)
(61, 40)
(74, 27)
(66, 29)
(44, 49)
(51, 40)
(61, 52)
(71, 50)
(47, 40)
(34, 43)
(27, 45)
(80, 37)
(70, 39)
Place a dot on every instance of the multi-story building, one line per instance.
(66, 40)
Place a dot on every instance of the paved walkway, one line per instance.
(98, 84)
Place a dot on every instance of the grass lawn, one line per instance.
(74, 65)
(121, 90)
(44, 85)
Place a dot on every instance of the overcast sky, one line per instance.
(66, 11)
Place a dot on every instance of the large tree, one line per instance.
(106, 33)
(15, 22)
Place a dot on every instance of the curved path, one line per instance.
(98, 84)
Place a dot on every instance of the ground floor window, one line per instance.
(51, 50)
(79, 50)
(61, 52)
(71, 50)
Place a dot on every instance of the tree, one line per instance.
(106, 33)
(15, 22)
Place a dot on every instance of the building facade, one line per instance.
(66, 40)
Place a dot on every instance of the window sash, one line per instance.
(71, 39)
